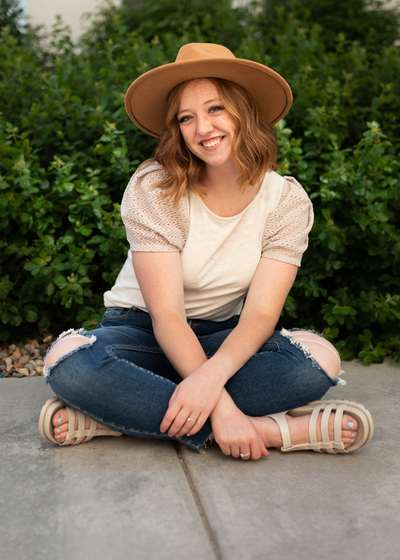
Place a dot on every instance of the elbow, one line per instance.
(263, 321)
(167, 318)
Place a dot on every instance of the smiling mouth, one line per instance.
(212, 143)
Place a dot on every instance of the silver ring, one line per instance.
(243, 456)
(190, 420)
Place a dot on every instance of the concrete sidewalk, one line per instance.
(126, 498)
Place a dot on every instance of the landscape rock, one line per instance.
(16, 355)
(25, 359)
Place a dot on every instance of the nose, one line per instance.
(204, 125)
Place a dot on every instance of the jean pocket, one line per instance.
(117, 313)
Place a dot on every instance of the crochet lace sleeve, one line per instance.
(286, 230)
(152, 222)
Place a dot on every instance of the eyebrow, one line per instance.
(217, 99)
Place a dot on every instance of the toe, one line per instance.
(60, 418)
(61, 430)
(349, 423)
(60, 423)
(349, 430)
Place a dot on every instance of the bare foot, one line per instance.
(60, 423)
(298, 427)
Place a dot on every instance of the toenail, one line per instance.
(60, 420)
(58, 437)
(352, 435)
(58, 431)
(352, 441)
(350, 425)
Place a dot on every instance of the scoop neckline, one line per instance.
(240, 213)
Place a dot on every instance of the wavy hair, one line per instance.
(254, 147)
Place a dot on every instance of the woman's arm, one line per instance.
(161, 283)
(264, 302)
(233, 431)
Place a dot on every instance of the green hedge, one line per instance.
(67, 150)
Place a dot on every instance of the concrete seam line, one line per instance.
(210, 533)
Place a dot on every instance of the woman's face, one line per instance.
(206, 126)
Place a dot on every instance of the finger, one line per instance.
(179, 424)
(259, 449)
(188, 425)
(256, 448)
(235, 452)
(169, 417)
(226, 450)
(245, 455)
(264, 450)
(201, 420)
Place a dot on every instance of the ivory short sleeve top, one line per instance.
(219, 255)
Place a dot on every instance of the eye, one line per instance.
(184, 119)
(216, 108)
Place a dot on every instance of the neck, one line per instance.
(223, 178)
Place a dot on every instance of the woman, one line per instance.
(210, 226)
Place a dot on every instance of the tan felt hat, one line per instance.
(146, 98)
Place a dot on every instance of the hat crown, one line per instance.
(202, 51)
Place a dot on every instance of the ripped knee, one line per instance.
(66, 343)
(321, 349)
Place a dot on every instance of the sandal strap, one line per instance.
(314, 444)
(81, 433)
(326, 443)
(280, 419)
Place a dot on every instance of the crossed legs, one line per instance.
(322, 351)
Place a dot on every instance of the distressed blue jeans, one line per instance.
(122, 379)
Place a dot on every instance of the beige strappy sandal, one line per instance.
(82, 434)
(365, 428)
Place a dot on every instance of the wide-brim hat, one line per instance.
(146, 98)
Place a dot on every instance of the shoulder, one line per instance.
(142, 190)
(280, 192)
(293, 189)
(284, 186)
(294, 200)
(285, 193)
(148, 173)
(152, 221)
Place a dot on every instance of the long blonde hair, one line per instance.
(254, 148)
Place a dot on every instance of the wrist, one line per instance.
(222, 366)
(224, 405)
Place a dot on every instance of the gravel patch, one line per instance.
(24, 360)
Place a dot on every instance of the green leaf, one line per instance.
(31, 314)
(50, 288)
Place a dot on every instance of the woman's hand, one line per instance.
(235, 433)
(195, 398)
